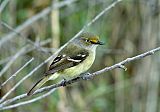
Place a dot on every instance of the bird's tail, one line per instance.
(38, 85)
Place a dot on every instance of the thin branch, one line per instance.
(21, 97)
(33, 19)
(22, 51)
(91, 75)
(40, 90)
(6, 95)
(96, 18)
(7, 66)
(23, 79)
(88, 76)
(13, 99)
(3, 5)
(21, 35)
(29, 50)
(15, 74)
(5, 60)
(29, 101)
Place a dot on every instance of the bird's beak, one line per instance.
(100, 43)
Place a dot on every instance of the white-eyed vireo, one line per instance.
(74, 59)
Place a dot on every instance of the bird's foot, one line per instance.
(86, 76)
(64, 82)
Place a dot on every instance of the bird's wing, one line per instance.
(64, 61)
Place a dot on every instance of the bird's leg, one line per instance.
(86, 76)
(64, 82)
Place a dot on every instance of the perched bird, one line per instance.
(73, 60)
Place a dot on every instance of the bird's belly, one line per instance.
(78, 69)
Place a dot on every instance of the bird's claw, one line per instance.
(63, 82)
(86, 76)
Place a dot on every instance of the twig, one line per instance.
(21, 35)
(29, 50)
(5, 60)
(15, 74)
(6, 95)
(22, 51)
(90, 76)
(29, 101)
(96, 18)
(33, 19)
(46, 49)
(13, 59)
(24, 78)
(40, 90)
(13, 99)
(21, 97)
(151, 52)
(3, 5)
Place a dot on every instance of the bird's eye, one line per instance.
(87, 40)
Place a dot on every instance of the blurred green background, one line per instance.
(130, 28)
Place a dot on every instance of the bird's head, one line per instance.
(88, 40)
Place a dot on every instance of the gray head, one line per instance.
(88, 40)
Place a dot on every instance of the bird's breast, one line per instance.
(78, 69)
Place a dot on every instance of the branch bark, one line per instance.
(68, 82)
(22, 51)
(106, 69)
(15, 74)
(3, 5)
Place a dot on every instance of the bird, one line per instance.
(73, 60)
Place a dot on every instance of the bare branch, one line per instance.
(23, 50)
(151, 52)
(24, 78)
(13, 99)
(13, 59)
(88, 76)
(3, 5)
(29, 101)
(15, 74)
(19, 34)
(29, 50)
(101, 13)
(96, 18)
(91, 75)
(33, 19)
(5, 60)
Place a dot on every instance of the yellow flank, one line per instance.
(80, 68)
